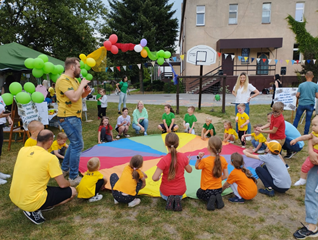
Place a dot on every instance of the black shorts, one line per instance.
(117, 128)
(164, 128)
(56, 195)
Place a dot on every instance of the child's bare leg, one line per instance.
(303, 175)
(120, 130)
(232, 138)
(203, 133)
(176, 127)
(160, 128)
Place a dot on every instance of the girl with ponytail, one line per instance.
(126, 188)
(172, 168)
(214, 170)
(241, 181)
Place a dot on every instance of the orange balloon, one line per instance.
(144, 53)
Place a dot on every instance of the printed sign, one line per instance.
(43, 112)
(286, 96)
(28, 112)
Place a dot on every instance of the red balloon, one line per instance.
(108, 45)
(114, 49)
(113, 38)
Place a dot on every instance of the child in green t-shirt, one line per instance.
(189, 121)
(208, 129)
(168, 119)
(99, 112)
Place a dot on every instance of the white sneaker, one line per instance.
(115, 201)
(134, 202)
(4, 176)
(96, 198)
(248, 138)
(118, 136)
(243, 147)
(2, 181)
(76, 181)
(145, 134)
(231, 141)
(300, 182)
(261, 151)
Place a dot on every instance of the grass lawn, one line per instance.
(260, 218)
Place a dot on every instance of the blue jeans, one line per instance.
(255, 144)
(143, 123)
(311, 197)
(122, 99)
(289, 148)
(166, 197)
(247, 111)
(72, 126)
(309, 110)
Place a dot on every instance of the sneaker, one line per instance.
(300, 182)
(145, 134)
(115, 201)
(231, 141)
(304, 233)
(74, 182)
(2, 181)
(268, 192)
(290, 155)
(96, 198)
(287, 166)
(261, 151)
(170, 203)
(65, 173)
(35, 217)
(177, 204)
(118, 136)
(119, 112)
(4, 176)
(127, 136)
(211, 203)
(219, 201)
(236, 200)
(243, 147)
(134, 202)
(248, 138)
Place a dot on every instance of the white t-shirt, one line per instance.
(121, 119)
(242, 97)
(3, 120)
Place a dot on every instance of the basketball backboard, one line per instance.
(201, 55)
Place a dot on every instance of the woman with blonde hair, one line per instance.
(140, 118)
(242, 92)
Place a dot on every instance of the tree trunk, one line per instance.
(141, 81)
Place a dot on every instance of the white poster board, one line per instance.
(286, 96)
(43, 112)
(28, 112)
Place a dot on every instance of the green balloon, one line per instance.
(37, 97)
(87, 67)
(217, 97)
(89, 77)
(37, 73)
(160, 61)
(161, 53)
(29, 87)
(167, 54)
(82, 64)
(48, 67)
(15, 88)
(7, 98)
(38, 63)
(60, 68)
(55, 70)
(79, 80)
(54, 77)
(44, 57)
(23, 98)
(84, 72)
(29, 63)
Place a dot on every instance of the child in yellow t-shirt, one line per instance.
(59, 146)
(34, 128)
(230, 135)
(242, 120)
(126, 188)
(92, 182)
(258, 141)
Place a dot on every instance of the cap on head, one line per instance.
(274, 146)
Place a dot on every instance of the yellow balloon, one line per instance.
(82, 57)
(91, 62)
(144, 53)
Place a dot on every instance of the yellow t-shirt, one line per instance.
(242, 118)
(51, 91)
(30, 142)
(56, 146)
(67, 108)
(316, 135)
(126, 183)
(87, 186)
(259, 138)
(33, 169)
(231, 131)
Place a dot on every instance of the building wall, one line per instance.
(249, 26)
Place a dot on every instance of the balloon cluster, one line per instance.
(159, 56)
(109, 44)
(15, 89)
(86, 64)
(41, 65)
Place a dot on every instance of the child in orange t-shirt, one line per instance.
(241, 181)
(211, 177)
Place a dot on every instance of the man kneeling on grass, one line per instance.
(32, 171)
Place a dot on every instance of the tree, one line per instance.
(58, 28)
(308, 45)
(133, 20)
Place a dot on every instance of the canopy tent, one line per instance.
(12, 57)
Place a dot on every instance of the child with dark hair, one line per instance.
(99, 104)
(241, 181)
(168, 119)
(105, 133)
(123, 123)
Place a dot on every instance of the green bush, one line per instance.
(171, 88)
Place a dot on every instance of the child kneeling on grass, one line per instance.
(92, 182)
(126, 188)
(241, 181)
(59, 146)
(230, 135)
(168, 119)
(214, 170)
(258, 141)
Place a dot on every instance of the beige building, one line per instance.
(247, 28)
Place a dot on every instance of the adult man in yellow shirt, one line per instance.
(69, 94)
(33, 169)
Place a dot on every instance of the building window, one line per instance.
(296, 53)
(262, 65)
(266, 13)
(299, 15)
(233, 14)
(245, 53)
(200, 15)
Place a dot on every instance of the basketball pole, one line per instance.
(224, 92)
(177, 95)
(200, 87)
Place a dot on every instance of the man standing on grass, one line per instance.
(33, 169)
(69, 94)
